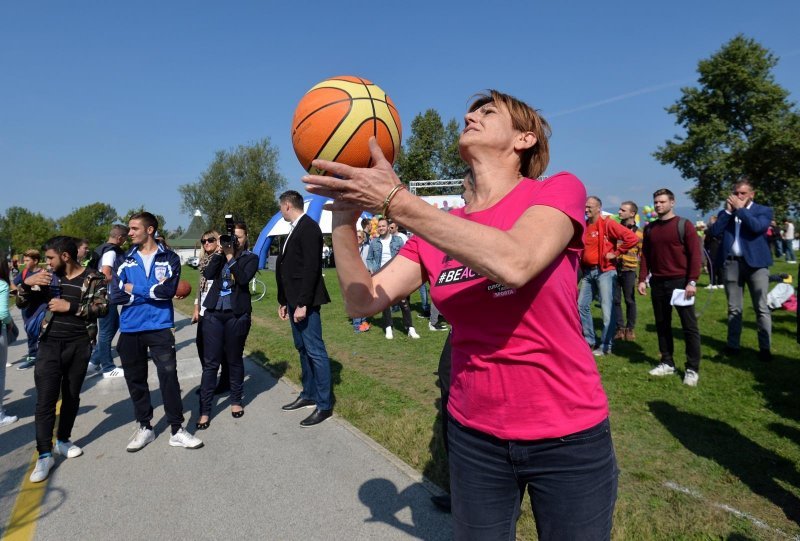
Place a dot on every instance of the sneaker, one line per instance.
(598, 352)
(711, 286)
(6, 419)
(792, 262)
(720, 286)
(364, 327)
(42, 469)
(93, 370)
(412, 333)
(764, 355)
(438, 327)
(142, 437)
(67, 449)
(691, 378)
(27, 363)
(183, 439)
(662, 369)
(389, 333)
(424, 315)
(115, 373)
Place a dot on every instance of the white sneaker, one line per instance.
(389, 334)
(412, 333)
(116, 373)
(6, 419)
(183, 439)
(662, 369)
(691, 378)
(598, 352)
(67, 449)
(792, 262)
(711, 286)
(142, 437)
(42, 469)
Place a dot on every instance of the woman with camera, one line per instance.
(226, 322)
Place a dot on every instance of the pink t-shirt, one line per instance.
(521, 369)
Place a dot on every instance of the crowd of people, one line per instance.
(524, 407)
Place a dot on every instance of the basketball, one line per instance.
(183, 289)
(336, 118)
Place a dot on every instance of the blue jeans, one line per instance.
(593, 283)
(572, 482)
(788, 250)
(315, 366)
(425, 298)
(107, 328)
(357, 321)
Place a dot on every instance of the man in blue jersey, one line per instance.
(144, 282)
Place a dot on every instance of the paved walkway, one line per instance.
(258, 477)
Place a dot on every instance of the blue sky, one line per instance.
(123, 102)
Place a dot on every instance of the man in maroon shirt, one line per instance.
(671, 256)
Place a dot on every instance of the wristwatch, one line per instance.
(691, 283)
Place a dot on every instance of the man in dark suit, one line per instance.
(301, 292)
(745, 258)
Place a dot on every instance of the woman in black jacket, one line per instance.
(226, 322)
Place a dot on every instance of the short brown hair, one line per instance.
(664, 191)
(533, 161)
(33, 254)
(634, 206)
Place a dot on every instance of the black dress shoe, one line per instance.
(764, 355)
(442, 502)
(299, 403)
(316, 418)
(728, 352)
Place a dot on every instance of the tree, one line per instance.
(739, 123)
(92, 222)
(24, 229)
(431, 151)
(243, 181)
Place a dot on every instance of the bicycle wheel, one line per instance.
(257, 289)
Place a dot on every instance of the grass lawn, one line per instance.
(720, 461)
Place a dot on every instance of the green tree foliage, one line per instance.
(431, 151)
(22, 229)
(243, 181)
(738, 122)
(92, 222)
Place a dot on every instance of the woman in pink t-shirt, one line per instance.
(526, 406)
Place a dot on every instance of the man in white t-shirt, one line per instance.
(381, 250)
(787, 237)
(102, 361)
(393, 230)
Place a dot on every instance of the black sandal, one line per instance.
(203, 426)
(237, 414)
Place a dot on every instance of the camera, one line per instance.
(229, 240)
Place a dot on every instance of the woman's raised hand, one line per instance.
(354, 188)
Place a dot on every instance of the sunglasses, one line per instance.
(209, 240)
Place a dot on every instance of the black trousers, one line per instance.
(60, 369)
(661, 291)
(224, 335)
(224, 375)
(627, 289)
(132, 348)
(444, 386)
(404, 308)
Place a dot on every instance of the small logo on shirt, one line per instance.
(161, 273)
(456, 276)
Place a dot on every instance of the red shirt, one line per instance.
(521, 369)
(591, 245)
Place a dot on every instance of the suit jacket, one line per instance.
(752, 235)
(299, 267)
(243, 269)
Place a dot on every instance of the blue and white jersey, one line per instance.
(149, 306)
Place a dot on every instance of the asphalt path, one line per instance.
(258, 477)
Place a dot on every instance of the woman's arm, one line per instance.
(511, 258)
